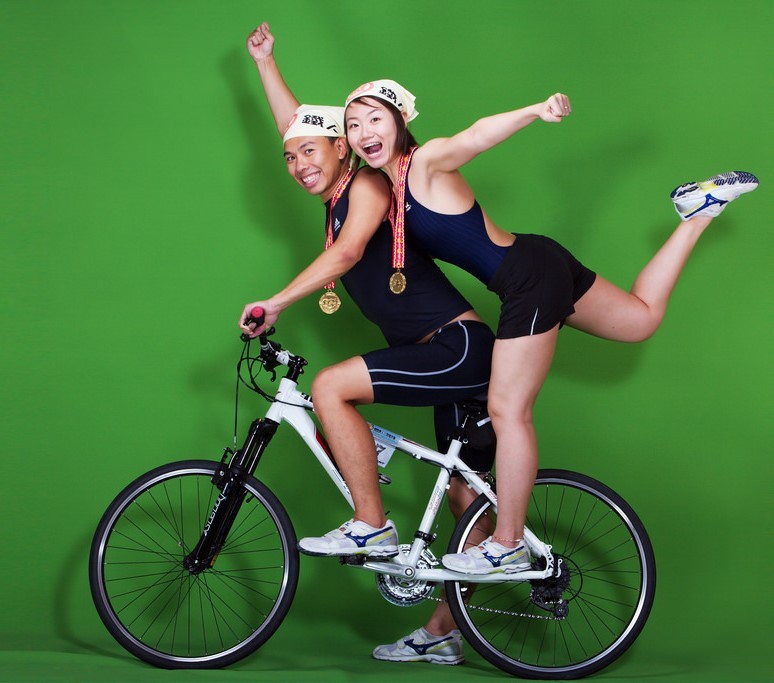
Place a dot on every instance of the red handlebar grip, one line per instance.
(257, 313)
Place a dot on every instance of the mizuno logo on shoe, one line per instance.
(709, 200)
(497, 561)
(362, 541)
(422, 648)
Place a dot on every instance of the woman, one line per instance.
(439, 349)
(541, 285)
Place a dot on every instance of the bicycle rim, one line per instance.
(608, 586)
(163, 613)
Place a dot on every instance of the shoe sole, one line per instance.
(721, 181)
(389, 551)
(515, 569)
(429, 659)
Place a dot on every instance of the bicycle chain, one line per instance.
(508, 614)
(497, 611)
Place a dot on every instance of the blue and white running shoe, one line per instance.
(353, 538)
(710, 197)
(423, 646)
(488, 557)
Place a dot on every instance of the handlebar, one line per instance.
(272, 354)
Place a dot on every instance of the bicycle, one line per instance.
(195, 565)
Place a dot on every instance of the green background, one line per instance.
(144, 201)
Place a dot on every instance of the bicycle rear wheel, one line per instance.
(583, 620)
(168, 616)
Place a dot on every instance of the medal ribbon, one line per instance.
(339, 190)
(398, 211)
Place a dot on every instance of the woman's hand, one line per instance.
(260, 43)
(555, 108)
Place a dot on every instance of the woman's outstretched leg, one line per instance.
(519, 366)
(609, 312)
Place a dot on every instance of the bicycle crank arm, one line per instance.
(440, 575)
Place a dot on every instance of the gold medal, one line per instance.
(397, 282)
(329, 302)
(398, 219)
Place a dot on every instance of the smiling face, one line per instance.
(317, 163)
(372, 131)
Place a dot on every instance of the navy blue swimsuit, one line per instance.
(537, 279)
(460, 239)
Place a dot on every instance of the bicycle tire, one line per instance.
(611, 583)
(168, 616)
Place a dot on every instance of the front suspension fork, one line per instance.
(228, 480)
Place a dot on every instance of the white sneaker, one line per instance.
(488, 557)
(423, 646)
(710, 197)
(354, 538)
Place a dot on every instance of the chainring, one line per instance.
(405, 592)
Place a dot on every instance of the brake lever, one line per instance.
(269, 360)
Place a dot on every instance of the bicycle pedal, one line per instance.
(353, 560)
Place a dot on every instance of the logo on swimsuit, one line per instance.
(336, 225)
(408, 207)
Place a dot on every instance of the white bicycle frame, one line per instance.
(291, 406)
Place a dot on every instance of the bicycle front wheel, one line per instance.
(575, 624)
(173, 618)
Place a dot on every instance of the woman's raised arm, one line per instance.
(449, 154)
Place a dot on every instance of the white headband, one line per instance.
(389, 91)
(316, 120)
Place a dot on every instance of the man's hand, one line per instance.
(260, 43)
(271, 313)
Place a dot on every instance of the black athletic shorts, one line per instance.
(538, 283)
(454, 365)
